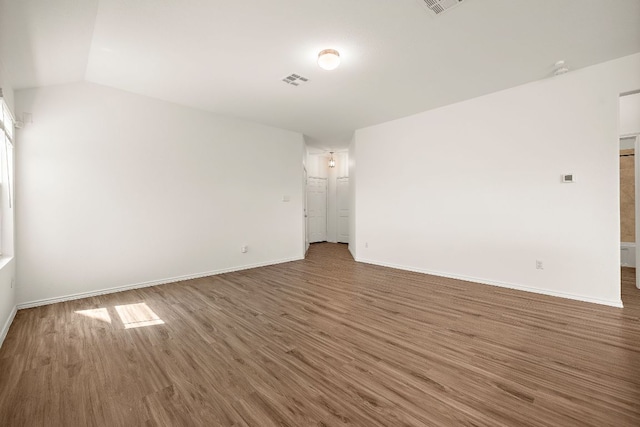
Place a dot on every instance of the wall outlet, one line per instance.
(244, 249)
(366, 244)
(539, 265)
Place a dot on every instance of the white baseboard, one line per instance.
(7, 324)
(353, 253)
(614, 303)
(81, 295)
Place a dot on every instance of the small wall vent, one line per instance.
(295, 80)
(440, 6)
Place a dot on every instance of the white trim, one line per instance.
(615, 303)
(630, 135)
(5, 260)
(7, 325)
(636, 166)
(13, 116)
(81, 295)
(3, 125)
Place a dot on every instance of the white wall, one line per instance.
(630, 114)
(318, 166)
(116, 189)
(473, 190)
(7, 262)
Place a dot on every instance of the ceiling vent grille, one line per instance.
(295, 80)
(440, 6)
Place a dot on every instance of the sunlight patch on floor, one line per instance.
(137, 315)
(96, 313)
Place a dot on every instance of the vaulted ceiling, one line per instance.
(230, 57)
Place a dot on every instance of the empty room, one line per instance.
(304, 213)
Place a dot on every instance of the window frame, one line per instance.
(7, 138)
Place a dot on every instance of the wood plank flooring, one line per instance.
(323, 342)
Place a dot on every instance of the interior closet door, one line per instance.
(317, 209)
(342, 195)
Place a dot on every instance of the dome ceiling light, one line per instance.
(329, 59)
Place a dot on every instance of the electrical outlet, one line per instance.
(244, 249)
(539, 265)
(366, 244)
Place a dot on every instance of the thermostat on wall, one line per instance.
(568, 177)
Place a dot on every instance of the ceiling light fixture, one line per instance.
(329, 59)
(560, 67)
(332, 162)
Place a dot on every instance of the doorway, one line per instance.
(317, 209)
(627, 203)
(629, 131)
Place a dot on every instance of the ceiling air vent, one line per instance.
(440, 6)
(295, 80)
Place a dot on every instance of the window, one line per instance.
(6, 178)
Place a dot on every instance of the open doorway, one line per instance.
(629, 192)
(327, 196)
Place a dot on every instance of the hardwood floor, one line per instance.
(324, 342)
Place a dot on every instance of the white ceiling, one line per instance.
(229, 57)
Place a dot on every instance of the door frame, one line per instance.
(636, 174)
(305, 219)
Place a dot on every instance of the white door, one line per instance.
(306, 217)
(342, 194)
(317, 209)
